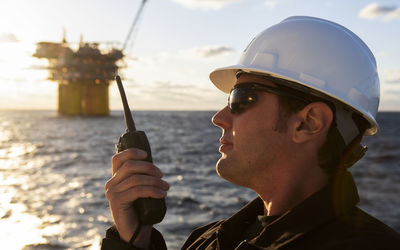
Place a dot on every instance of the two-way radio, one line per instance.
(149, 210)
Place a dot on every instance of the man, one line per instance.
(302, 96)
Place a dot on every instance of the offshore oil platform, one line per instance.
(83, 75)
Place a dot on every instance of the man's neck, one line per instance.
(291, 190)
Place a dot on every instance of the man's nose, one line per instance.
(222, 118)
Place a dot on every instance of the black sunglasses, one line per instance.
(244, 95)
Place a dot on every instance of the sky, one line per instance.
(175, 46)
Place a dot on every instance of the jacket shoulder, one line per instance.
(358, 230)
(371, 233)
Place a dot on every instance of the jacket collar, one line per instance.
(335, 199)
(230, 232)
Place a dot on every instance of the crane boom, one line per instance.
(139, 12)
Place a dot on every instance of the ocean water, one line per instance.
(53, 170)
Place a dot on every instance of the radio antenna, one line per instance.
(130, 124)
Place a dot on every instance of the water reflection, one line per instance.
(50, 197)
(18, 227)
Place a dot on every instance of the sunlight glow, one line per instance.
(20, 229)
(17, 226)
(16, 150)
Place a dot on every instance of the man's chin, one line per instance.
(223, 161)
(220, 164)
(223, 168)
(227, 170)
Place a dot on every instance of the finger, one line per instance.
(128, 154)
(140, 180)
(132, 194)
(132, 168)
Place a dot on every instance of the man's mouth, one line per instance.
(226, 145)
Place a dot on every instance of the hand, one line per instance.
(132, 179)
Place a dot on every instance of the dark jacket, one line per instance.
(327, 220)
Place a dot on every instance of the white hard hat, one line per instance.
(318, 54)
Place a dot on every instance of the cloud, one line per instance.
(271, 4)
(8, 38)
(193, 53)
(210, 51)
(186, 66)
(205, 4)
(375, 10)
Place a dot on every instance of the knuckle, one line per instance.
(107, 185)
(111, 193)
(159, 183)
(115, 159)
(108, 194)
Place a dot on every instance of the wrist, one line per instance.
(141, 237)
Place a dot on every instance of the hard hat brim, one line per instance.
(225, 78)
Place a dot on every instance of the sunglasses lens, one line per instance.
(240, 99)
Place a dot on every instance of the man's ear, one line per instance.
(312, 122)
